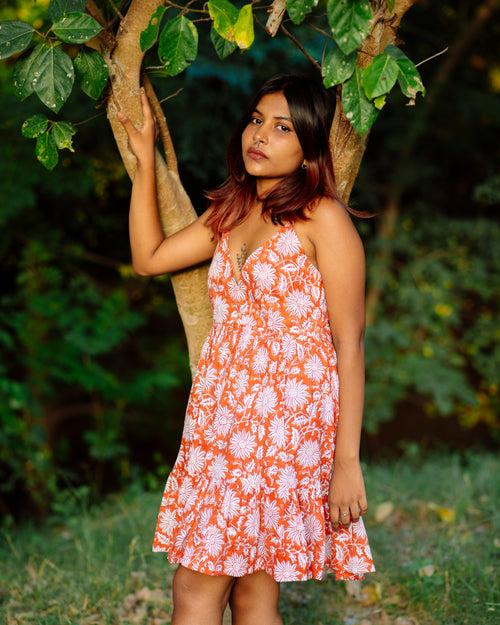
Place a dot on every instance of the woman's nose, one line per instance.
(260, 135)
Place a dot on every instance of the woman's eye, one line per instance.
(253, 119)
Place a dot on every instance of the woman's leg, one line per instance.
(198, 598)
(254, 600)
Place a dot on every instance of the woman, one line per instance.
(267, 486)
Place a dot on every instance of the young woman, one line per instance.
(267, 486)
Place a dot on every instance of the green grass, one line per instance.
(435, 555)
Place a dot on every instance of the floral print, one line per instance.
(249, 488)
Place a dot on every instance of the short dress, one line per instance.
(249, 488)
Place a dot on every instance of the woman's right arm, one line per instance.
(152, 253)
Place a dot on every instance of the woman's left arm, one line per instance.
(341, 261)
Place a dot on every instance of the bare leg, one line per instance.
(199, 599)
(254, 600)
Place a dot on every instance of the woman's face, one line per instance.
(271, 131)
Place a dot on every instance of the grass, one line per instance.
(431, 525)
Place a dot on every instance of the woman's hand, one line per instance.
(141, 140)
(347, 496)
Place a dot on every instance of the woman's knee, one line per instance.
(192, 589)
(254, 591)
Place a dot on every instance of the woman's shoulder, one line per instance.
(326, 211)
(329, 219)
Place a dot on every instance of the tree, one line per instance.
(105, 51)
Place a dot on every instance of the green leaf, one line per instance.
(337, 66)
(62, 132)
(15, 36)
(92, 72)
(26, 74)
(46, 150)
(222, 46)
(53, 75)
(149, 35)
(34, 126)
(380, 75)
(350, 22)
(76, 27)
(58, 8)
(409, 78)
(178, 45)
(224, 16)
(390, 5)
(298, 9)
(380, 101)
(358, 109)
(243, 29)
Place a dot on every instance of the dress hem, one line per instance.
(327, 570)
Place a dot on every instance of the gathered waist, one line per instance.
(262, 325)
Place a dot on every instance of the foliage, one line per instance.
(57, 333)
(48, 68)
(437, 333)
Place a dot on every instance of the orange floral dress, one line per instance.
(249, 488)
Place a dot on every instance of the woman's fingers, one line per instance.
(127, 124)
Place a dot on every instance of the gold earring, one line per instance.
(304, 166)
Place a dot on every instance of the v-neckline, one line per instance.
(259, 248)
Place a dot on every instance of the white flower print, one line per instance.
(275, 321)
(236, 565)
(289, 346)
(241, 383)
(213, 540)
(312, 527)
(326, 411)
(285, 571)
(220, 309)
(314, 368)
(230, 504)
(246, 337)
(208, 380)
(287, 244)
(181, 537)
(356, 565)
(196, 459)
(260, 360)
(271, 514)
(296, 393)
(237, 290)
(167, 521)
(264, 275)
(223, 420)
(250, 483)
(298, 303)
(242, 444)
(308, 453)
(205, 518)
(295, 530)
(266, 400)
(277, 431)
(287, 480)
(218, 469)
(252, 524)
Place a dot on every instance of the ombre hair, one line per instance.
(311, 108)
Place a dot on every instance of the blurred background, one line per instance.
(94, 375)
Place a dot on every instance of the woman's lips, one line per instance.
(256, 154)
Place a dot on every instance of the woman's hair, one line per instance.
(311, 108)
